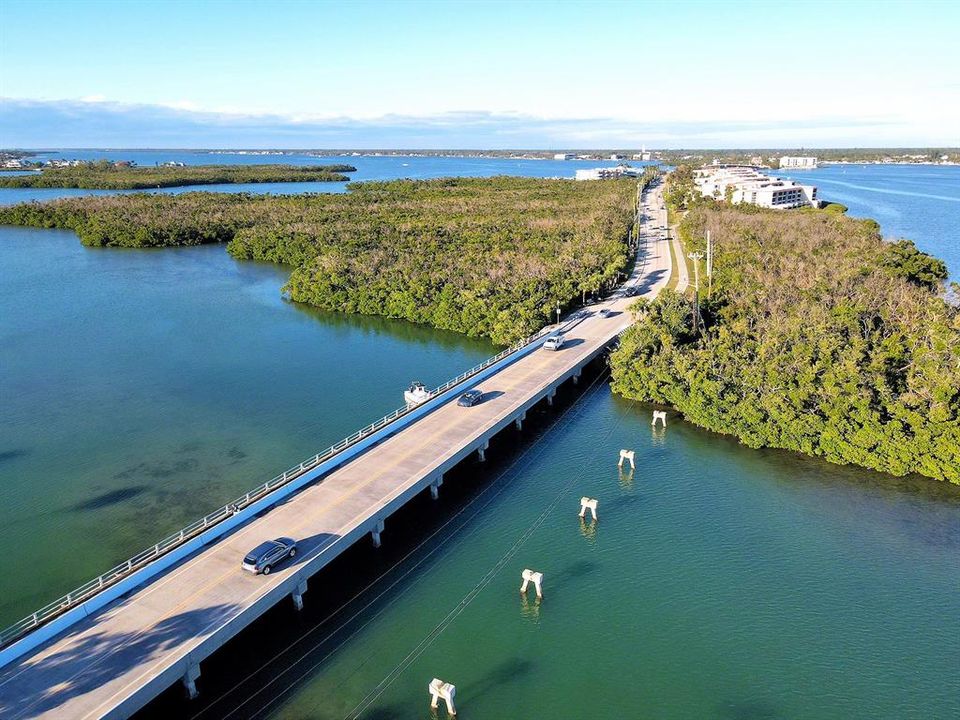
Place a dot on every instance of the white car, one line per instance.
(553, 343)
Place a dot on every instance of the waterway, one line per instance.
(919, 202)
(369, 167)
(142, 388)
(718, 583)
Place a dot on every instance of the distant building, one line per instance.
(642, 156)
(563, 156)
(798, 163)
(607, 173)
(614, 156)
(742, 184)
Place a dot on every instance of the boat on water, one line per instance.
(415, 394)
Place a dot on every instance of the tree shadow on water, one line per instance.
(87, 659)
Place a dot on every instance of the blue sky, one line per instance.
(478, 74)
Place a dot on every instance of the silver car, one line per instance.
(267, 554)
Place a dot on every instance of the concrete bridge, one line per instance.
(109, 661)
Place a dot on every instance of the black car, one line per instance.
(470, 398)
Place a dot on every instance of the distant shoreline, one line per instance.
(946, 163)
(104, 175)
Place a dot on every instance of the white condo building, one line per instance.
(564, 156)
(798, 163)
(607, 173)
(747, 185)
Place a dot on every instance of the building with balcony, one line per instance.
(741, 184)
(798, 163)
(607, 173)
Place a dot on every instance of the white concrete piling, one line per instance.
(189, 679)
(440, 690)
(626, 455)
(660, 415)
(375, 533)
(588, 504)
(529, 576)
(435, 487)
(297, 594)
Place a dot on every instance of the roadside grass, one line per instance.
(673, 222)
(674, 268)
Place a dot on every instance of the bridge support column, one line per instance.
(189, 679)
(375, 533)
(297, 594)
(435, 487)
(576, 377)
(519, 421)
(550, 396)
(482, 451)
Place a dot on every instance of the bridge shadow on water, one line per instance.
(285, 650)
(91, 661)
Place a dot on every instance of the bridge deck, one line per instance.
(114, 661)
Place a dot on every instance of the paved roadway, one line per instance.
(114, 661)
(656, 222)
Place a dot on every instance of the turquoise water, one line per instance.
(368, 168)
(919, 202)
(142, 388)
(719, 582)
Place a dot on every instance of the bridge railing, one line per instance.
(110, 577)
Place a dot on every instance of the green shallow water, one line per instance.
(719, 583)
(142, 389)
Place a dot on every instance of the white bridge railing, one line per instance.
(138, 561)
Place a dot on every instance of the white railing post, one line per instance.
(14, 632)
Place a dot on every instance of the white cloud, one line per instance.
(97, 122)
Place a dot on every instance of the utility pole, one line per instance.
(558, 313)
(709, 265)
(696, 257)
